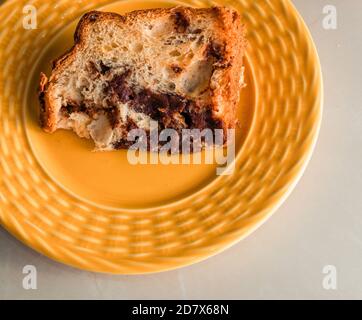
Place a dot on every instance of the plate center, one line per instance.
(108, 179)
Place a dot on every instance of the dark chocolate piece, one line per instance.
(113, 115)
(215, 50)
(163, 107)
(182, 22)
(104, 68)
(176, 69)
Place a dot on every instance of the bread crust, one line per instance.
(227, 50)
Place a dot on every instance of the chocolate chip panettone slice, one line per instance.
(181, 67)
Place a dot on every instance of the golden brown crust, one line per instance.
(231, 32)
(227, 49)
(45, 105)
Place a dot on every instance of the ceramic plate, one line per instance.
(98, 212)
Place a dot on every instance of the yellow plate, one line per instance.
(95, 211)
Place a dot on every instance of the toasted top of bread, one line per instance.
(180, 66)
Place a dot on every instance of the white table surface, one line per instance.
(320, 223)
